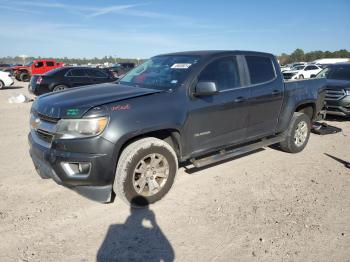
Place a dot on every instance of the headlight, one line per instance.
(80, 128)
(347, 92)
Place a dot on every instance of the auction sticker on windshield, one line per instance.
(181, 66)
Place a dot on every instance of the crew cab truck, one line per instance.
(127, 138)
(36, 67)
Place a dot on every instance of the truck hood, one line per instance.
(80, 100)
(338, 84)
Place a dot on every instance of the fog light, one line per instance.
(77, 169)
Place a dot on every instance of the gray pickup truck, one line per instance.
(128, 138)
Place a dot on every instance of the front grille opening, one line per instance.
(48, 118)
(47, 137)
(332, 94)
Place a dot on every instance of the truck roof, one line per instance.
(208, 53)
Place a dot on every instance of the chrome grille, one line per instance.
(43, 126)
(333, 94)
(46, 136)
(48, 118)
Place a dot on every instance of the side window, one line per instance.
(76, 73)
(39, 64)
(308, 68)
(223, 71)
(50, 63)
(96, 73)
(261, 69)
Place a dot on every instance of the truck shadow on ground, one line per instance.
(345, 163)
(138, 239)
(12, 87)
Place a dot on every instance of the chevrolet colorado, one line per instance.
(127, 138)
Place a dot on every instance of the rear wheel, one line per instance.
(301, 77)
(1, 84)
(59, 88)
(298, 133)
(24, 77)
(145, 172)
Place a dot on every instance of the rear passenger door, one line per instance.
(97, 76)
(77, 77)
(49, 65)
(266, 96)
(221, 119)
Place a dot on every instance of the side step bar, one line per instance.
(226, 154)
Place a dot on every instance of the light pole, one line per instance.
(23, 58)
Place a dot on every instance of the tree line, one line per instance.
(66, 60)
(300, 55)
(297, 55)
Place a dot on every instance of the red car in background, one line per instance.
(36, 67)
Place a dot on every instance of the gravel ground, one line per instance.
(265, 206)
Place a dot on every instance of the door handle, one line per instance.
(276, 92)
(239, 99)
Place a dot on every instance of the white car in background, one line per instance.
(290, 66)
(301, 72)
(5, 79)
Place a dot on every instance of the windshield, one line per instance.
(28, 63)
(335, 72)
(300, 67)
(323, 73)
(163, 72)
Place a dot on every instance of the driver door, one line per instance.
(220, 119)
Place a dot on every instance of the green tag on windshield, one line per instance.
(72, 112)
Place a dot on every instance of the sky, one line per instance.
(143, 28)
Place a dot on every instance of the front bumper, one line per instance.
(97, 185)
(8, 81)
(338, 107)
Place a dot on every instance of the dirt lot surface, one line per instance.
(266, 206)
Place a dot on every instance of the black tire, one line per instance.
(24, 77)
(1, 85)
(301, 77)
(17, 76)
(59, 88)
(127, 164)
(290, 144)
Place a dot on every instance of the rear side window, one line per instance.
(76, 72)
(96, 73)
(50, 63)
(223, 71)
(261, 69)
(39, 64)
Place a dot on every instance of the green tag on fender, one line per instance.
(72, 112)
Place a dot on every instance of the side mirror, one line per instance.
(206, 89)
(312, 76)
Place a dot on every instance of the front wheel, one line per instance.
(1, 84)
(59, 88)
(145, 172)
(301, 77)
(298, 133)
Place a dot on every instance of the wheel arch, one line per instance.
(170, 135)
(308, 108)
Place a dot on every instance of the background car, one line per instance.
(120, 69)
(338, 89)
(301, 72)
(67, 77)
(290, 66)
(5, 79)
